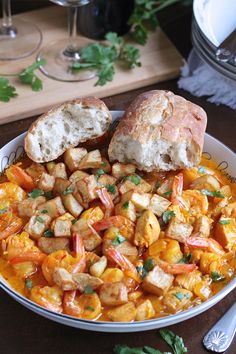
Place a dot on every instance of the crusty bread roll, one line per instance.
(66, 126)
(159, 131)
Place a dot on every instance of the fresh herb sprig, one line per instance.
(101, 57)
(143, 17)
(26, 76)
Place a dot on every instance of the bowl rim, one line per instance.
(115, 326)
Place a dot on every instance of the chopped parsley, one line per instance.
(158, 184)
(179, 295)
(89, 308)
(36, 193)
(39, 219)
(48, 195)
(216, 194)
(103, 163)
(148, 265)
(29, 284)
(3, 210)
(175, 342)
(74, 221)
(216, 277)
(44, 211)
(111, 188)
(186, 258)
(134, 179)
(88, 290)
(201, 169)
(68, 190)
(48, 233)
(167, 216)
(118, 240)
(167, 194)
(125, 205)
(224, 221)
(100, 172)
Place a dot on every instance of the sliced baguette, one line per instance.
(159, 131)
(66, 126)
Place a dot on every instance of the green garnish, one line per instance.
(186, 258)
(124, 349)
(100, 172)
(224, 221)
(134, 179)
(216, 277)
(102, 57)
(6, 91)
(158, 184)
(89, 308)
(39, 219)
(68, 190)
(167, 216)
(111, 188)
(103, 163)
(175, 342)
(118, 240)
(48, 195)
(167, 194)
(36, 193)
(44, 211)
(201, 169)
(88, 290)
(148, 265)
(179, 295)
(48, 233)
(216, 194)
(27, 76)
(74, 221)
(125, 205)
(3, 210)
(29, 284)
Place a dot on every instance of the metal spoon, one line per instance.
(219, 338)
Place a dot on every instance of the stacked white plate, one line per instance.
(213, 21)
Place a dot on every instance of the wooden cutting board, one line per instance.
(160, 61)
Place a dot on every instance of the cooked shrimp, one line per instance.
(177, 188)
(176, 268)
(17, 175)
(196, 202)
(86, 306)
(49, 297)
(208, 244)
(62, 259)
(9, 224)
(10, 193)
(106, 201)
(125, 226)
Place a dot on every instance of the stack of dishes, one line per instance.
(213, 21)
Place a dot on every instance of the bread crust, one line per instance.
(85, 102)
(180, 120)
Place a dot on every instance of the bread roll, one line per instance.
(159, 131)
(66, 126)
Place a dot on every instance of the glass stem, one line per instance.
(72, 49)
(6, 13)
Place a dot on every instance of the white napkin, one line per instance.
(200, 79)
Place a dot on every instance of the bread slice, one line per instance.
(159, 131)
(66, 126)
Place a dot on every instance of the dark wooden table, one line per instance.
(23, 332)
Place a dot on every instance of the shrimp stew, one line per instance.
(107, 242)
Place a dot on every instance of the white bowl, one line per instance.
(226, 162)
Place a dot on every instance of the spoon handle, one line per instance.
(219, 338)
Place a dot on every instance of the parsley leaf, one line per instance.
(224, 221)
(48, 233)
(174, 341)
(6, 91)
(201, 169)
(29, 284)
(118, 240)
(134, 179)
(36, 193)
(216, 194)
(124, 349)
(88, 290)
(216, 277)
(48, 195)
(186, 258)
(89, 308)
(28, 77)
(167, 216)
(111, 188)
(74, 221)
(167, 194)
(44, 211)
(39, 219)
(148, 265)
(179, 295)
(125, 205)
(3, 210)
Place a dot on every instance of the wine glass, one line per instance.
(19, 39)
(60, 55)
